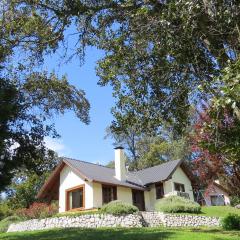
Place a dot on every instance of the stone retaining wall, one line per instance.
(154, 219)
(171, 220)
(143, 219)
(85, 221)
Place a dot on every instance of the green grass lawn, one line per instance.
(123, 234)
(219, 211)
(216, 211)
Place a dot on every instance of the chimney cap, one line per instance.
(119, 147)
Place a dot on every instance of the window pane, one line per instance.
(109, 193)
(179, 187)
(76, 199)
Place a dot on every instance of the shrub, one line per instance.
(5, 211)
(231, 222)
(38, 210)
(235, 200)
(77, 213)
(118, 207)
(4, 224)
(176, 204)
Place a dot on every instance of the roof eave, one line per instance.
(56, 171)
(121, 185)
(83, 176)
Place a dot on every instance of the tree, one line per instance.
(110, 164)
(216, 139)
(25, 185)
(145, 151)
(23, 189)
(156, 52)
(157, 150)
(28, 96)
(160, 52)
(126, 138)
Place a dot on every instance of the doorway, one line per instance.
(138, 199)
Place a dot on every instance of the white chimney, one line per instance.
(120, 170)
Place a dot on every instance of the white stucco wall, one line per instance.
(168, 187)
(180, 177)
(93, 190)
(147, 200)
(69, 179)
(124, 194)
(150, 198)
(97, 195)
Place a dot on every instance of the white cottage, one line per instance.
(80, 185)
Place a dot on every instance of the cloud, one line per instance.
(56, 145)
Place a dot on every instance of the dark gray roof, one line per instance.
(158, 173)
(99, 173)
(139, 179)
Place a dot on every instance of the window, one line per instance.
(109, 193)
(75, 198)
(217, 200)
(159, 190)
(179, 187)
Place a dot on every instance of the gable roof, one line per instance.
(98, 173)
(158, 173)
(219, 186)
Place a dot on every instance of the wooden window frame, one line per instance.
(176, 183)
(157, 185)
(67, 191)
(114, 192)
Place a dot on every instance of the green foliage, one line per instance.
(118, 207)
(157, 57)
(28, 96)
(231, 222)
(145, 151)
(5, 210)
(224, 113)
(156, 150)
(38, 210)
(127, 138)
(110, 164)
(235, 200)
(22, 192)
(77, 213)
(4, 224)
(156, 52)
(175, 204)
(216, 139)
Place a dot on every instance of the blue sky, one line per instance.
(80, 141)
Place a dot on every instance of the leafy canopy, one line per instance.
(156, 52)
(29, 97)
(216, 138)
